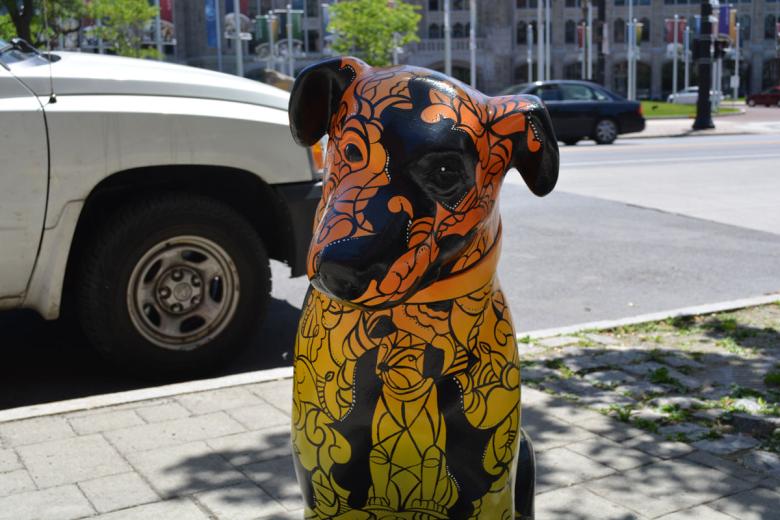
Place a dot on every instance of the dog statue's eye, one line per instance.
(353, 153)
(445, 179)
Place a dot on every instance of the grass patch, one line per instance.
(621, 412)
(661, 376)
(524, 339)
(674, 413)
(653, 109)
(732, 346)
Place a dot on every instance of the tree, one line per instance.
(25, 18)
(123, 23)
(366, 27)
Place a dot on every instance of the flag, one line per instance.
(581, 36)
(638, 28)
(733, 25)
(681, 23)
(724, 19)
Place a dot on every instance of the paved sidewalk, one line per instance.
(681, 127)
(225, 454)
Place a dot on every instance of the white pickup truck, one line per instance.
(144, 199)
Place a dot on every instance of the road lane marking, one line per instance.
(696, 158)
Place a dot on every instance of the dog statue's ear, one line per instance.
(316, 94)
(535, 150)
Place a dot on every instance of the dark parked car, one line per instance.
(769, 97)
(584, 110)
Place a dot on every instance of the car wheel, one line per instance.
(172, 286)
(778, 104)
(751, 102)
(571, 142)
(606, 132)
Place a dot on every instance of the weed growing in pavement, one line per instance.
(739, 392)
(622, 412)
(646, 424)
(524, 339)
(674, 413)
(683, 324)
(732, 346)
(678, 437)
(712, 435)
(656, 355)
(554, 363)
(660, 376)
(772, 378)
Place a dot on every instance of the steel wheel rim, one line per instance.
(183, 292)
(606, 130)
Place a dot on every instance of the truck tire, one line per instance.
(172, 286)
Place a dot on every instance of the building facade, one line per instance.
(502, 32)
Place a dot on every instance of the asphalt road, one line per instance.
(641, 226)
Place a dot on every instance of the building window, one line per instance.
(645, 29)
(457, 5)
(572, 3)
(534, 32)
(770, 29)
(433, 5)
(571, 31)
(526, 4)
(434, 32)
(744, 27)
(619, 31)
(312, 8)
(457, 30)
(522, 33)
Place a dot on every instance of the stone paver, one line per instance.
(60, 503)
(754, 504)
(665, 487)
(171, 433)
(259, 416)
(245, 448)
(162, 412)
(658, 447)
(559, 341)
(578, 503)
(223, 399)
(697, 513)
(611, 453)
(184, 470)
(9, 461)
(277, 393)
(244, 501)
(177, 509)
(561, 467)
(71, 460)
(33, 431)
(277, 478)
(15, 482)
(118, 492)
(763, 461)
(727, 444)
(105, 422)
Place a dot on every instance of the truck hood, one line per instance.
(93, 74)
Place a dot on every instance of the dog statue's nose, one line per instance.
(339, 280)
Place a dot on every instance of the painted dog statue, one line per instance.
(406, 397)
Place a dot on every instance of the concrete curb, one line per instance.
(262, 376)
(708, 308)
(143, 394)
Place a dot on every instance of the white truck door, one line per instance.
(23, 183)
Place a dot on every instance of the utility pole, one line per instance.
(447, 39)
(686, 55)
(239, 45)
(290, 65)
(539, 41)
(703, 49)
(674, 56)
(589, 40)
(271, 36)
(473, 41)
(547, 41)
(736, 66)
(529, 58)
(583, 56)
(630, 54)
(158, 31)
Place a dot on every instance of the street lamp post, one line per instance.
(686, 53)
(736, 64)
(529, 57)
(630, 51)
(539, 41)
(158, 31)
(290, 65)
(547, 40)
(239, 46)
(703, 49)
(674, 54)
(589, 40)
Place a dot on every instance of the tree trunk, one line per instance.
(21, 18)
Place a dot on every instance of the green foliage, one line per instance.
(646, 424)
(772, 378)
(123, 25)
(58, 18)
(366, 27)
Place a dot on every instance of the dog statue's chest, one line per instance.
(409, 412)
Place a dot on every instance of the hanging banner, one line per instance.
(733, 25)
(580, 36)
(167, 28)
(212, 29)
(639, 26)
(682, 23)
(724, 19)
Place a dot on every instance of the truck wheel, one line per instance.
(172, 286)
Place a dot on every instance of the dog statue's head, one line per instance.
(414, 164)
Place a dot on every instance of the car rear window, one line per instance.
(547, 92)
(574, 92)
